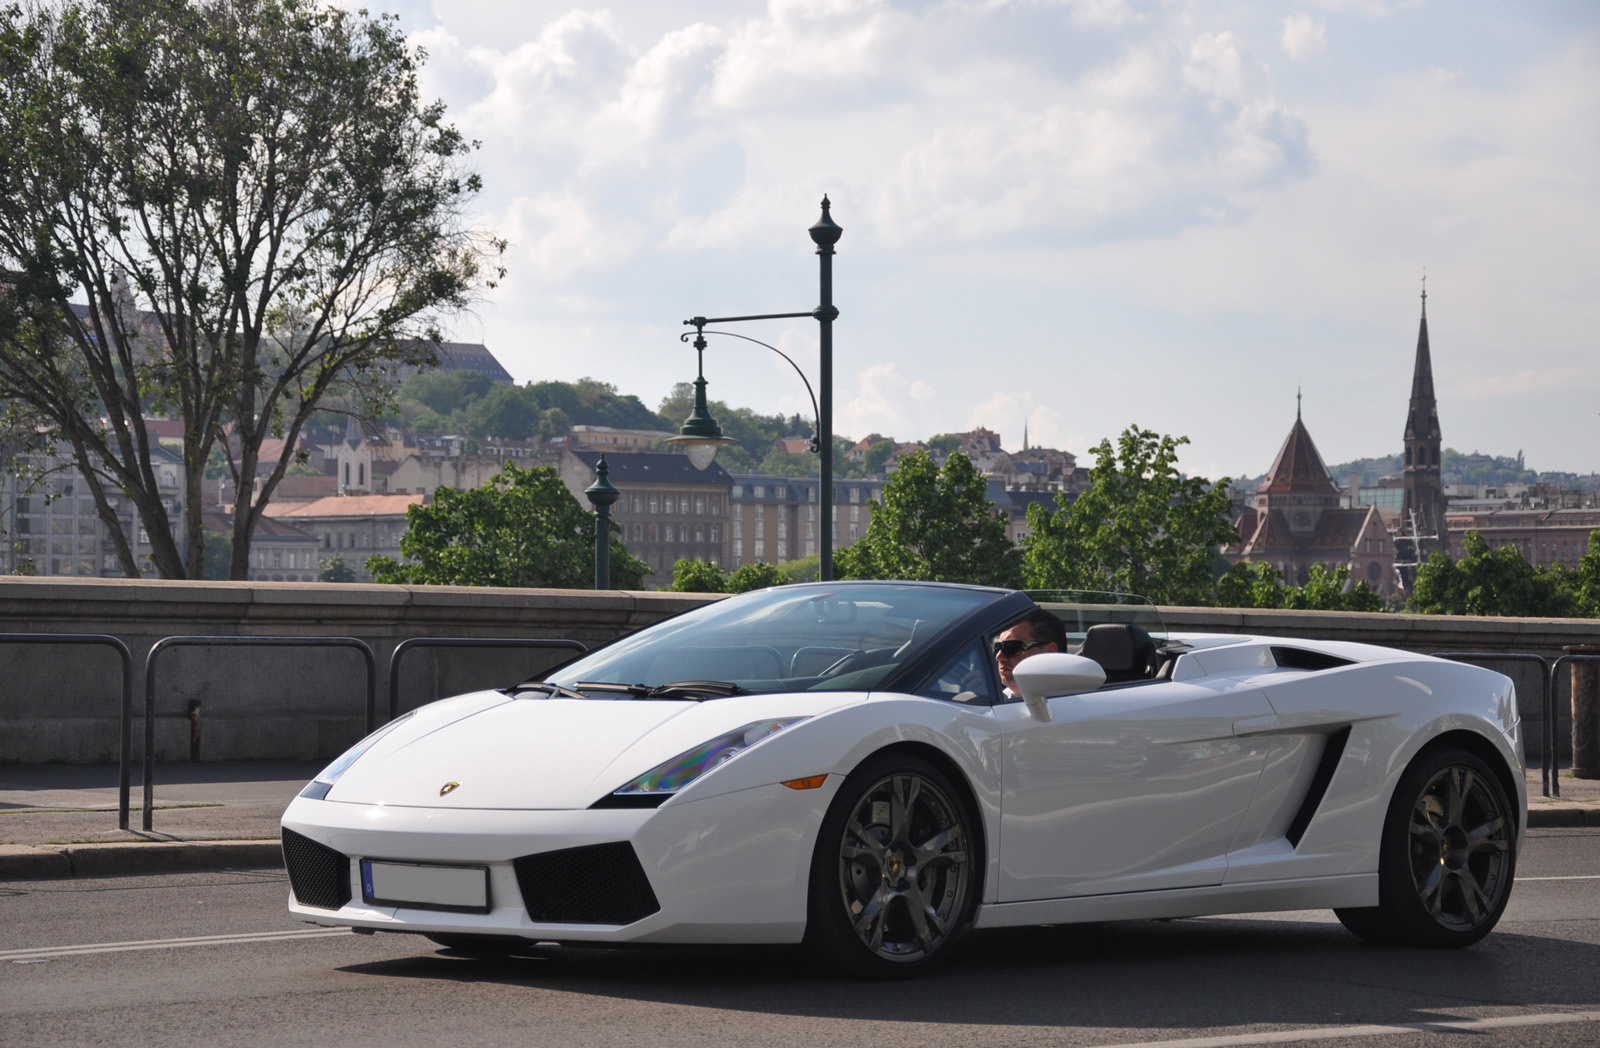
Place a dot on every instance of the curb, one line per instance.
(1552, 816)
(22, 862)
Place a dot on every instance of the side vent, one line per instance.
(1301, 659)
(1331, 752)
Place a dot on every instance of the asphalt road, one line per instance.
(212, 959)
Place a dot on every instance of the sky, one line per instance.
(1074, 215)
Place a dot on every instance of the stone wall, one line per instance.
(60, 702)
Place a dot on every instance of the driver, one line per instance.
(1034, 635)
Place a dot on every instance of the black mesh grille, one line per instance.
(595, 884)
(319, 875)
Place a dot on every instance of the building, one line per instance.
(1544, 536)
(1422, 508)
(279, 552)
(51, 525)
(354, 526)
(1297, 521)
(611, 438)
(668, 510)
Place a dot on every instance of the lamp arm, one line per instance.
(816, 415)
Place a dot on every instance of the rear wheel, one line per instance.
(893, 879)
(1447, 857)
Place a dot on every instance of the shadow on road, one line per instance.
(1179, 974)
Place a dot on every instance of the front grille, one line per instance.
(319, 875)
(594, 884)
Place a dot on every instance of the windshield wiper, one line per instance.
(698, 690)
(553, 690)
(705, 689)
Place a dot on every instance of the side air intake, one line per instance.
(1332, 750)
(1301, 659)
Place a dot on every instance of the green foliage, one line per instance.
(1140, 527)
(1260, 585)
(1493, 582)
(949, 443)
(1585, 579)
(804, 569)
(333, 568)
(748, 577)
(1250, 584)
(520, 528)
(260, 210)
(936, 525)
(468, 402)
(698, 576)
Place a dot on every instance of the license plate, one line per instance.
(419, 886)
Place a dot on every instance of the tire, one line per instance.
(1447, 857)
(894, 874)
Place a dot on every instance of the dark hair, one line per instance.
(1046, 626)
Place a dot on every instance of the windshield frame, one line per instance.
(769, 614)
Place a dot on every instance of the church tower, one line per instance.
(1423, 502)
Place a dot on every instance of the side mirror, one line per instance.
(1055, 673)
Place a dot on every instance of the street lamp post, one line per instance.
(601, 494)
(700, 433)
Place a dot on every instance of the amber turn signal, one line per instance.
(810, 782)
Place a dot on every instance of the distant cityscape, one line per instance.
(348, 498)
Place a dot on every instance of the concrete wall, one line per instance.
(60, 703)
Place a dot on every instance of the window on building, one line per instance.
(347, 474)
(361, 474)
(638, 503)
(761, 514)
(737, 491)
(699, 532)
(855, 514)
(716, 533)
(855, 494)
(780, 491)
(761, 549)
(783, 549)
(699, 505)
(638, 533)
(655, 504)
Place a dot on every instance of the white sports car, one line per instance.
(837, 764)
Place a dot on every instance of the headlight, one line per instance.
(664, 780)
(318, 787)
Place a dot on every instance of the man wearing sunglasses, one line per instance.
(1038, 633)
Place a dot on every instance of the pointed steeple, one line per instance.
(1422, 505)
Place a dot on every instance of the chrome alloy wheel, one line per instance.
(905, 867)
(1460, 848)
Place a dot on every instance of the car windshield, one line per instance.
(1080, 609)
(818, 637)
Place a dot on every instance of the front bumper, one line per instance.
(727, 869)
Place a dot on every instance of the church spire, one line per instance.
(1423, 502)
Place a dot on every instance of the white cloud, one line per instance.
(1303, 36)
(883, 400)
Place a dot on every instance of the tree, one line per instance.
(747, 577)
(333, 568)
(1260, 585)
(261, 215)
(522, 527)
(1140, 527)
(698, 576)
(934, 524)
(1585, 579)
(1490, 582)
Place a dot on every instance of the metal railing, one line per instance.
(462, 642)
(236, 642)
(1549, 765)
(124, 754)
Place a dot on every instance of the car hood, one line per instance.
(543, 753)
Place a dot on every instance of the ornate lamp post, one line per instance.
(601, 494)
(700, 433)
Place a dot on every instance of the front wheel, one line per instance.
(1447, 856)
(893, 880)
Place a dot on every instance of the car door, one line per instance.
(1132, 787)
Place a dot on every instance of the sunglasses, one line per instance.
(1012, 648)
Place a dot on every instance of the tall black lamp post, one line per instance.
(701, 435)
(601, 494)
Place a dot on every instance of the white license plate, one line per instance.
(422, 887)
